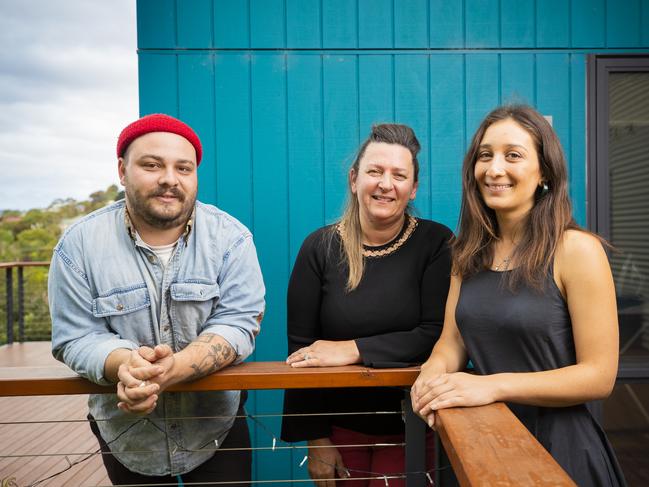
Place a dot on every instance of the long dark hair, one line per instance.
(350, 223)
(546, 222)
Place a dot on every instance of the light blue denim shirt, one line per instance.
(100, 300)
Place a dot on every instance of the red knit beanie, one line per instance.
(158, 122)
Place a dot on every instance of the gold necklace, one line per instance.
(505, 263)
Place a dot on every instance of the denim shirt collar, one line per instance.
(130, 228)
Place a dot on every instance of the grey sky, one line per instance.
(68, 85)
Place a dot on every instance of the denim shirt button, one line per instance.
(119, 307)
(151, 258)
(166, 328)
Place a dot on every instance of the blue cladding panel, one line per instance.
(447, 115)
(270, 189)
(577, 155)
(233, 136)
(376, 91)
(552, 23)
(267, 24)
(156, 24)
(482, 88)
(231, 23)
(196, 107)
(553, 93)
(411, 23)
(339, 23)
(156, 96)
(644, 22)
(411, 89)
(446, 24)
(517, 23)
(341, 136)
(517, 78)
(622, 26)
(305, 149)
(194, 23)
(588, 23)
(303, 29)
(375, 23)
(482, 23)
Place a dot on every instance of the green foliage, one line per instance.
(31, 236)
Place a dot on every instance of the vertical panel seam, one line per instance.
(249, 32)
(322, 139)
(428, 27)
(570, 34)
(430, 137)
(285, 25)
(464, 26)
(176, 24)
(393, 62)
(212, 23)
(535, 75)
(177, 67)
(215, 139)
(536, 25)
(251, 142)
(464, 115)
(605, 24)
(288, 167)
(500, 23)
(500, 79)
(321, 25)
(394, 22)
(571, 173)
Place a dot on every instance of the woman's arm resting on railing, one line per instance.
(585, 279)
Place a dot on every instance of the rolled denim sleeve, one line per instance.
(79, 339)
(238, 313)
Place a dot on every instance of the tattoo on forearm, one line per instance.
(218, 355)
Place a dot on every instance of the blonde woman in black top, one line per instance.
(368, 290)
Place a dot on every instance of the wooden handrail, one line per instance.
(58, 379)
(10, 265)
(486, 445)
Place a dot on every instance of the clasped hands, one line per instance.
(143, 377)
(432, 391)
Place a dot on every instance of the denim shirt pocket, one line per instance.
(192, 303)
(125, 308)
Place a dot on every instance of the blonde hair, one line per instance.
(349, 227)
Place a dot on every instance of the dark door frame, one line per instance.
(598, 68)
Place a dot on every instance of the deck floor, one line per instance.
(52, 427)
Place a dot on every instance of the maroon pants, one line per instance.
(381, 460)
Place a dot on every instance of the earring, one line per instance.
(544, 189)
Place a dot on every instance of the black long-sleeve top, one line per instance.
(395, 315)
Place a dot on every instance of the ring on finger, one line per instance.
(306, 356)
(142, 384)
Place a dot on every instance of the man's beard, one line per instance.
(163, 217)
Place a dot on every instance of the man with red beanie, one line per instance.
(152, 291)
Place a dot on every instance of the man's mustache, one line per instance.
(166, 191)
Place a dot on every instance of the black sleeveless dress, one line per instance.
(531, 331)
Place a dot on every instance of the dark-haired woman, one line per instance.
(370, 289)
(532, 301)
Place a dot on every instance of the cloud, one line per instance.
(68, 85)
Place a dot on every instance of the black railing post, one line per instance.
(415, 446)
(21, 305)
(10, 305)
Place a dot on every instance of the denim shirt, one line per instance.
(100, 300)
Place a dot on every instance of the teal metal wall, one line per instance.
(282, 92)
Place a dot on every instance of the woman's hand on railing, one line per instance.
(325, 353)
(458, 389)
(324, 462)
